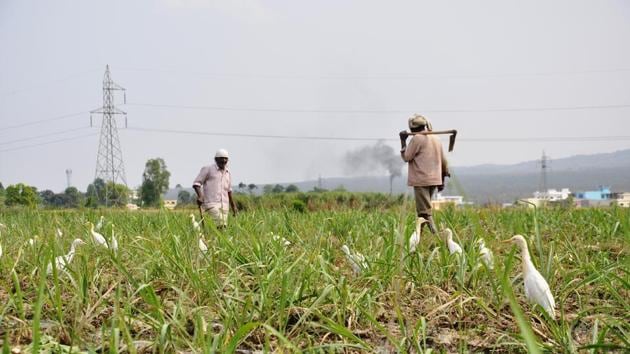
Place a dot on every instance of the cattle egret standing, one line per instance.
(357, 261)
(100, 222)
(195, 223)
(98, 238)
(202, 245)
(62, 261)
(536, 287)
(453, 247)
(486, 254)
(414, 239)
(58, 233)
(114, 243)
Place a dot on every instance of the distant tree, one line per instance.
(241, 186)
(154, 182)
(47, 197)
(1, 189)
(267, 189)
(74, 197)
(291, 188)
(319, 190)
(118, 194)
(277, 189)
(21, 194)
(184, 197)
(95, 193)
(251, 188)
(178, 186)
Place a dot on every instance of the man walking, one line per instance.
(213, 186)
(427, 165)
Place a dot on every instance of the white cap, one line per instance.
(221, 153)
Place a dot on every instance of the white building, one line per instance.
(440, 201)
(623, 200)
(553, 195)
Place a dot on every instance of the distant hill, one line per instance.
(505, 183)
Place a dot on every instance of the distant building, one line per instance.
(441, 201)
(603, 193)
(623, 199)
(170, 203)
(553, 195)
(550, 196)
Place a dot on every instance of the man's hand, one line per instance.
(403, 135)
(440, 187)
(199, 201)
(234, 212)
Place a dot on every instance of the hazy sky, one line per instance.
(351, 69)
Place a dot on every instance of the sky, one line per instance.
(262, 79)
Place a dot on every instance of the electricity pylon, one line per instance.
(109, 161)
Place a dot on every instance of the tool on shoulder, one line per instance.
(451, 138)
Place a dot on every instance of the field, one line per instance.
(251, 292)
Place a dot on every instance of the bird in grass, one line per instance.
(536, 287)
(414, 239)
(99, 224)
(62, 262)
(98, 238)
(453, 247)
(485, 254)
(356, 260)
(58, 232)
(202, 245)
(114, 243)
(195, 223)
(277, 238)
(0, 250)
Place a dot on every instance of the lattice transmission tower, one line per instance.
(109, 160)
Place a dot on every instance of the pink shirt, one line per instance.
(215, 184)
(426, 161)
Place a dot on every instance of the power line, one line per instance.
(473, 140)
(49, 142)
(65, 116)
(42, 136)
(387, 111)
(394, 76)
(45, 84)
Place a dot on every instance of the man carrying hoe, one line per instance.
(213, 186)
(427, 165)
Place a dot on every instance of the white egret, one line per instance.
(100, 223)
(356, 260)
(414, 239)
(62, 261)
(98, 238)
(58, 233)
(278, 238)
(453, 247)
(114, 243)
(485, 254)
(202, 245)
(195, 223)
(536, 287)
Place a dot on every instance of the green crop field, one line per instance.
(252, 292)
